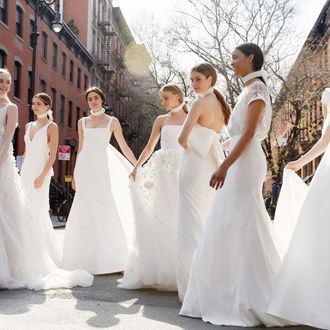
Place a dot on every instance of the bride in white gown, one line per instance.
(24, 259)
(302, 293)
(200, 137)
(237, 260)
(41, 142)
(152, 259)
(100, 222)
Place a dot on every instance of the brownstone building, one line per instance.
(299, 116)
(122, 65)
(63, 70)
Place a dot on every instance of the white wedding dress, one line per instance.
(289, 204)
(100, 223)
(237, 260)
(302, 293)
(152, 259)
(200, 160)
(35, 157)
(24, 259)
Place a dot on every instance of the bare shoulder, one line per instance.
(161, 119)
(199, 104)
(114, 119)
(53, 126)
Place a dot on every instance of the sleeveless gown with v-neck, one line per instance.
(35, 158)
(24, 259)
(95, 237)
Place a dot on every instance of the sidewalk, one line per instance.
(56, 223)
(102, 306)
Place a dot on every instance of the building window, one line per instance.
(85, 82)
(77, 118)
(71, 70)
(54, 96)
(63, 64)
(79, 78)
(43, 86)
(29, 86)
(44, 43)
(62, 109)
(4, 11)
(54, 56)
(17, 79)
(31, 30)
(19, 21)
(70, 114)
(3, 58)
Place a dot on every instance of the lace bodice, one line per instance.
(169, 137)
(256, 91)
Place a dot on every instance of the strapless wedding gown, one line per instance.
(24, 258)
(200, 160)
(152, 259)
(35, 157)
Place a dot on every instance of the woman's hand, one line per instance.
(133, 174)
(73, 184)
(218, 177)
(295, 165)
(39, 181)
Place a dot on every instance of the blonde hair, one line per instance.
(46, 99)
(176, 90)
(4, 70)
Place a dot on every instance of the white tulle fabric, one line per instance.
(24, 258)
(152, 259)
(200, 160)
(290, 201)
(302, 291)
(35, 158)
(237, 260)
(100, 223)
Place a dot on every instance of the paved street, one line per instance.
(101, 306)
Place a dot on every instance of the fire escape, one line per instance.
(106, 63)
(112, 66)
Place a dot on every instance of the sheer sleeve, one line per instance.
(326, 96)
(258, 91)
